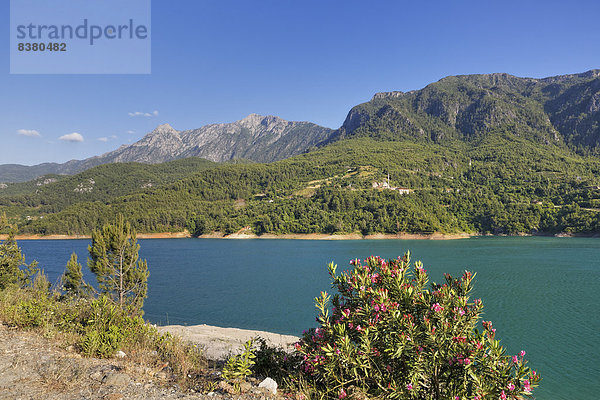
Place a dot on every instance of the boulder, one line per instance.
(269, 384)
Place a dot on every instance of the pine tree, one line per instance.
(114, 259)
(73, 278)
(13, 269)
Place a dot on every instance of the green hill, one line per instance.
(500, 186)
(52, 193)
(483, 153)
(557, 111)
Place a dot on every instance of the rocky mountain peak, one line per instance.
(255, 120)
(259, 123)
(164, 128)
(384, 95)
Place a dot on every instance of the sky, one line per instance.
(215, 61)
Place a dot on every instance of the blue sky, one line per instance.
(218, 61)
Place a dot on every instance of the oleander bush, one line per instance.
(391, 334)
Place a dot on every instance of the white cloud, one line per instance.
(72, 137)
(143, 114)
(130, 132)
(28, 132)
(107, 139)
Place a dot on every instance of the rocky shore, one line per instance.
(248, 234)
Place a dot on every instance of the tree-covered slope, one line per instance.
(479, 153)
(556, 111)
(502, 185)
(52, 193)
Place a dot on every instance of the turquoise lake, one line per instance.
(541, 293)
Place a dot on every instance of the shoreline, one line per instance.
(160, 235)
(218, 343)
(249, 235)
(245, 234)
(345, 236)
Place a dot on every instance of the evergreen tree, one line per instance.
(73, 278)
(13, 269)
(114, 259)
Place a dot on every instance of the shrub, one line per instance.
(109, 328)
(390, 336)
(275, 362)
(238, 367)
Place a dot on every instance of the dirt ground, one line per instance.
(33, 367)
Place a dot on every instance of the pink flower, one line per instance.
(456, 398)
(467, 361)
(515, 359)
(436, 307)
(527, 387)
(409, 386)
(511, 387)
(522, 353)
(461, 312)
(503, 395)
(343, 394)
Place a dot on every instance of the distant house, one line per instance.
(385, 185)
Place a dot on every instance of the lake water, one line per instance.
(541, 293)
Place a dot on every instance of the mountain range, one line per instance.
(255, 138)
(478, 154)
(561, 111)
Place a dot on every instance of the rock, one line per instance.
(245, 387)
(162, 374)
(120, 354)
(116, 379)
(97, 375)
(226, 387)
(113, 396)
(269, 384)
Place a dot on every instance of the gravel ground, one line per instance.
(34, 367)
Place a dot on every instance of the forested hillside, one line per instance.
(502, 186)
(52, 193)
(481, 154)
(562, 111)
